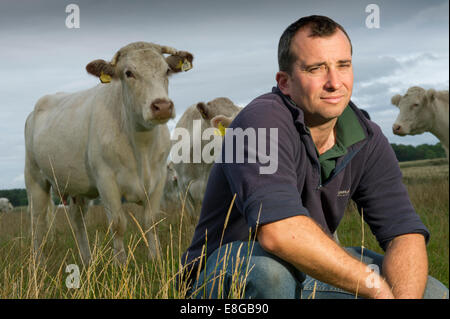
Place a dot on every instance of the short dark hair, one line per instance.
(320, 26)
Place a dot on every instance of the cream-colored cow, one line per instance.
(110, 141)
(5, 205)
(193, 175)
(422, 111)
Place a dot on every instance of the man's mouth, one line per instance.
(332, 99)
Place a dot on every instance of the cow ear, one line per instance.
(182, 61)
(201, 107)
(395, 100)
(431, 94)
(101, 69)
(220, 119)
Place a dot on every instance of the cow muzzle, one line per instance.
(162, 109)
(397, 130)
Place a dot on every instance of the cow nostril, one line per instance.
(162, 108)
(396, 127)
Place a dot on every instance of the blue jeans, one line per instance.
(246, 270)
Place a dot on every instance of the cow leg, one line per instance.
(39, 204)
(151, 211)
(197, 191)
(111, 198)
(77, 213)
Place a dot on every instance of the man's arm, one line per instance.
(301, 242)
(405, 266)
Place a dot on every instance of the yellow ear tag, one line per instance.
(184, 65)
(220, 130)
(105, 78)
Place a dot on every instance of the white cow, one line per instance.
(110, 141)
(5, 205)
(422, 111)
(193, 175)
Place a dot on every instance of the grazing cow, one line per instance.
(193, 174)
(5, 205)
(110, 141)
(422, 111)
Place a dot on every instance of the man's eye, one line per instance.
(317, 69)
(344, 66)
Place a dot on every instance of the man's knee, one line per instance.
(249, 271)
(270, 278)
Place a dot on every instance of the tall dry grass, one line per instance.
(140, 277)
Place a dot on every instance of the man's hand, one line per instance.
(301, 242)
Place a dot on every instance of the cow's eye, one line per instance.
(415, 105)
(129, 74)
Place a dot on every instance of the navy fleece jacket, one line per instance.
(368, 173)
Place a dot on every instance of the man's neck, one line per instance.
(324, 135)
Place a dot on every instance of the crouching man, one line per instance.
(278, 231)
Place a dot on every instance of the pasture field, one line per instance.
(20, 277)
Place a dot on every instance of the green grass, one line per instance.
(20, 277)
(428, 186)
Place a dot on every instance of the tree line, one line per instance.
(18, 197)
(420, 152)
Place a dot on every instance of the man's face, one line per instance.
(321, 80)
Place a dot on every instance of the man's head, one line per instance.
(319, 26)
(315, 59)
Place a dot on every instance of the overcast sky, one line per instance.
(235, 47)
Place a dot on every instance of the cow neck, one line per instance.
(440, 124)
(141, 139)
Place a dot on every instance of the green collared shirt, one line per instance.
(348, 132)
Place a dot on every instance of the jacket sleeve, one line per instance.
(384, 199)
(261, 168)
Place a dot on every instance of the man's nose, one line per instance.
(334, 81)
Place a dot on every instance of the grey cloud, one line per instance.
(367, 68)
(234, 43)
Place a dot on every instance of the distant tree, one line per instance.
(17, 197)
(419, 152)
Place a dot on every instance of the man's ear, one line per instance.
(282, 79)
(182, 61)
(395, 100)
(101, 69)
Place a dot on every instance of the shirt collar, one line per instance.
(349, 128)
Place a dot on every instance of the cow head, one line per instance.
(144, 72)
(416, 114)
(5, 205)
(218, 111)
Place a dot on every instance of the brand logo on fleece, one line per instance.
(343, 193)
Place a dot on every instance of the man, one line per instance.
(275, 241)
